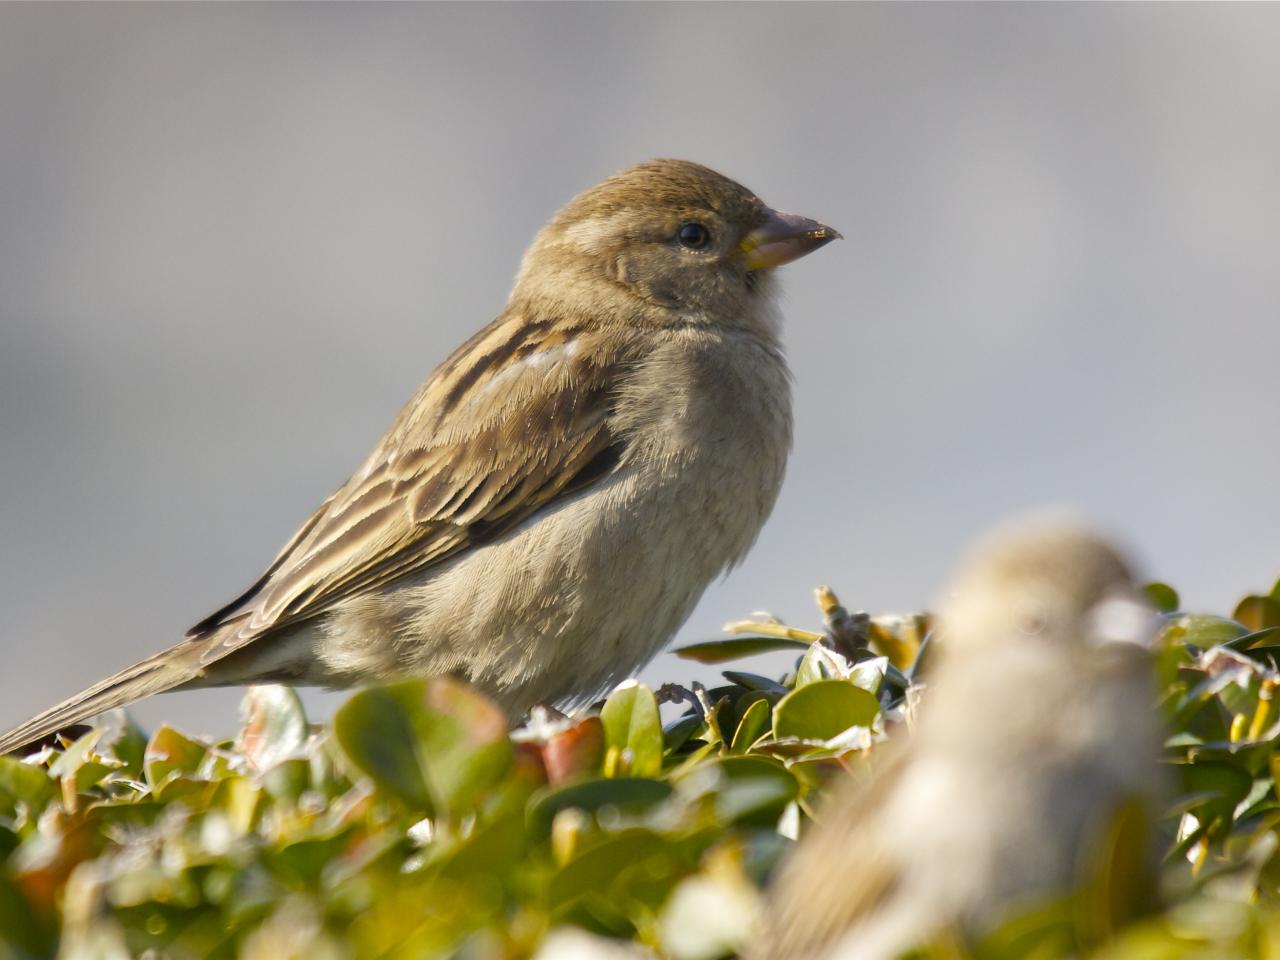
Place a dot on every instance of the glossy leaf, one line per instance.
(1162, 596)
(24, 782)
(721, 651)
(823, 709)
(754, 724)
(632, 732)
(1202, 630)
(436, 745)
(171, 754)
(1258, 613)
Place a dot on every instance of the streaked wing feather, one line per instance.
(447, 476)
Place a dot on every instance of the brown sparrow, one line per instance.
(546, 511)
(1038, 735)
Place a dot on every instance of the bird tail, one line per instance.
(156, 674)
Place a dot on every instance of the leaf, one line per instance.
(30, 930)
(79, 764)
(1117, 881)
(169, 755)
(750, 790)
(899, 638)
(1202, 630)
(577, 750)
(1258, 613)
(721, 651)
(820, 662)
(25, 782)
(753, 681)
(869, 674)
(123, 739)
(677, 733)
(598, 870)
(632, 732)
(437, 745)
(1222, 785)
(375, 731)
(1257, 640)
(286, 779)
(273, 724)
(753, 725)
(1161, 596)
(823, 709)
(628, 795)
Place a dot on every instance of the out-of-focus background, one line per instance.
(234, 238)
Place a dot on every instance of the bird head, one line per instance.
(673, 241)
(1048, 585)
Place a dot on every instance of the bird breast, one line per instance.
(592, 586)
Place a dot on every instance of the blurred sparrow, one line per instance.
(545, 512)
(1025, 778)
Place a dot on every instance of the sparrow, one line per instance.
(1032, 770)
(547, 509)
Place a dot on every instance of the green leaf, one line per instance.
(437, 745)
(1257, 613)
(750, 790)
(1257, 640)
(753, 681)
(286, 779)
(823, 709)
(74, 763)
(720, 651)
(25, 782)
(1161, 596)
(626, 795)
(31, 931)
(171, 754)
(820, 662)
(128, 742)
(752, 726)
(601, 869)
(632, 732)
(1203, 630)
(1222, 785)
(677, 733)
(814, 665)
(869, 674)
(376, 730)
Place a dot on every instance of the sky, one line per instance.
(234, 238)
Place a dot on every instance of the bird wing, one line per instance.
(843, 872)
(515, 420)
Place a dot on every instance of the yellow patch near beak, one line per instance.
(784, 237)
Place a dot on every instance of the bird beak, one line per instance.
(784, 237)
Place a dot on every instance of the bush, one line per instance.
(416, 826)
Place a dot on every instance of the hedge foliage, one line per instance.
(416, 825)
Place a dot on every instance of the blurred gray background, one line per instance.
(234, 238)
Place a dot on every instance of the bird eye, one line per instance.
(693, 235)
(1032, 621)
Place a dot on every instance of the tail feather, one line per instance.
(156, 674)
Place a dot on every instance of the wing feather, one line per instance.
(451, 473)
